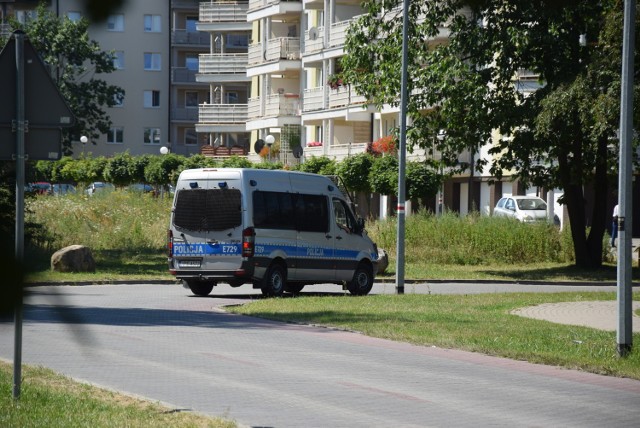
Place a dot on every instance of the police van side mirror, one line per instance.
(359, 225)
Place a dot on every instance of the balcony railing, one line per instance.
(277, 49)
(345, 96)
(223, 11)
(314, 41)
(182, 75)
(275, 105)
(223, 113)
(185, 113)
(223, 63)
(184, 37)
(313, 99)
(338, 32)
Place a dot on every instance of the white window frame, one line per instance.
(151, 98)
(74, 16)
(151, 136)
(152, 23)
(115, 135)
(155, 61)
(115, 22)
(118, 60)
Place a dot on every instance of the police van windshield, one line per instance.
(207, 209)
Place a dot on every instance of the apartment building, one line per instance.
(221, 125)
(156, 49)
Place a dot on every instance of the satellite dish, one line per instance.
(313, 33)
(297, 152)
(258, 146)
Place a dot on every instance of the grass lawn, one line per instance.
(50, 400)
(479, 323)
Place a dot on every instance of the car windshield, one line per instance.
(532, 204)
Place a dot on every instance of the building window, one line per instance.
(237, 40)
(152, 61)
(151, 99)
(191, 99)
(152, 23)
(115, 22)
(24, 16)
(118, 60)
(191, 22)
(191, 62)
(115, 135)
(190, 137)
(74, 16)
(152, 135)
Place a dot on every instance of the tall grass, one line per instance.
(121, 220)
(474, 240)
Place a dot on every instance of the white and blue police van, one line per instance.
(276, 230)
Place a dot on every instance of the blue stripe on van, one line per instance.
(201, 249)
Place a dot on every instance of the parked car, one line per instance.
(141, 187)
(98, 186)
(63, 188)
(523, 208)
(40, 188)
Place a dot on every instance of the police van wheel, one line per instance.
(293, 288)
(274, 281)
(362, 281)
(200, 288)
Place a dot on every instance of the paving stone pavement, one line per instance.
(158, 342)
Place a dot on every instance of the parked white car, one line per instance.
(523, 208)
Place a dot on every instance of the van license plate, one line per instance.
(189, 263)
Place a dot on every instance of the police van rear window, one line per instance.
(208, 209)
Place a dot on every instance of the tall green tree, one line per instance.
(465, 59)
(75, 63)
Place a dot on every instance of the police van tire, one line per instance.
(200, 288)
(293, 288)
(274, 281)
(362, 281)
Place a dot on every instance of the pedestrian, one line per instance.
(614, 227)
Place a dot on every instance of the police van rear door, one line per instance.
(208, 218)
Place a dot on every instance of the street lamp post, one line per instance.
(269, 140)
(84, 141)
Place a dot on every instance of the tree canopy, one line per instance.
(75, 62)
(467, 66)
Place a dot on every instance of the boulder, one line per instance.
(383, 260)
(74, 258)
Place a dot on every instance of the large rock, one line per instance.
(383, 260)
(74, 258)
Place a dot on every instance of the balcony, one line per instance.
(184, 114)
(223, 11)
(184, 37)
(344, 96)
(283, 6)
(277, 49)
(182, 75)
(313, 99)
(223, 63)
(276, 105)
(223, 114)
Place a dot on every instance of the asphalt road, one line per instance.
(158, 342)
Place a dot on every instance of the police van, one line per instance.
(276, 230)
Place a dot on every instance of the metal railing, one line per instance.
(223, 113)
(184, 37)
(223, 11)
(223, 63)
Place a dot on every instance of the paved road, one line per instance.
(158, 342)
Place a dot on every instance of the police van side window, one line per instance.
(208, 209)
(273, 210)
(343, 217)
(312, 213)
